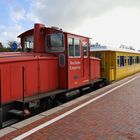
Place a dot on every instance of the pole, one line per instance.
(23, 96)
(1, 115)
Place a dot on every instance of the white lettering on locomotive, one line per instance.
(75, 67)
(74, 62)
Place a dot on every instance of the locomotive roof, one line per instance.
(107, 48)
(30, 32)
(26, 33)
(77, 35)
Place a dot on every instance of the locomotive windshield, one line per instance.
(55, 42)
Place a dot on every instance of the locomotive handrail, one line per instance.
(23, 96)
(1, 116)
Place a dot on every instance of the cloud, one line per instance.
(70, 13)
(17, 13)
(12, 27)
(120, 26)
(10, 33)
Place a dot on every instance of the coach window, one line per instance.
(118, 61)
(125, 61)
(77, 47)
(136, 59)
(130, 60)
(133, 60)
(121, 61)
(98, 55)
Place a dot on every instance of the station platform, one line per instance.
(110, 113)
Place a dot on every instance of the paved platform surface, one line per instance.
(113, 115)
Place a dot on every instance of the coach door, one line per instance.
(77, 63)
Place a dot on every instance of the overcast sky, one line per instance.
(109, 22)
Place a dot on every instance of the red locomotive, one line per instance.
(53, 63)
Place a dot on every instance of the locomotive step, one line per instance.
(16, 112)
(41, 95)
(9, 122)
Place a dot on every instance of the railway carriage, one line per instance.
(52, 64)
(116, 63)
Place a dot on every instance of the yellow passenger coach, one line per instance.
(116, 63)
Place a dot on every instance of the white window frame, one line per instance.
(74, 48)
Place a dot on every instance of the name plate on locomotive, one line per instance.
(75, 65)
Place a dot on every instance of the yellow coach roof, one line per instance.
(107, 48)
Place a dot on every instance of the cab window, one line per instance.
(74, 47)
(28, 43)
(55, 42)
(71, 46)
(77, 47)
(85, 49)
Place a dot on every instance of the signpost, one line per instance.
(14, 46)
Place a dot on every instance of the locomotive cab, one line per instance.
(71, 50)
